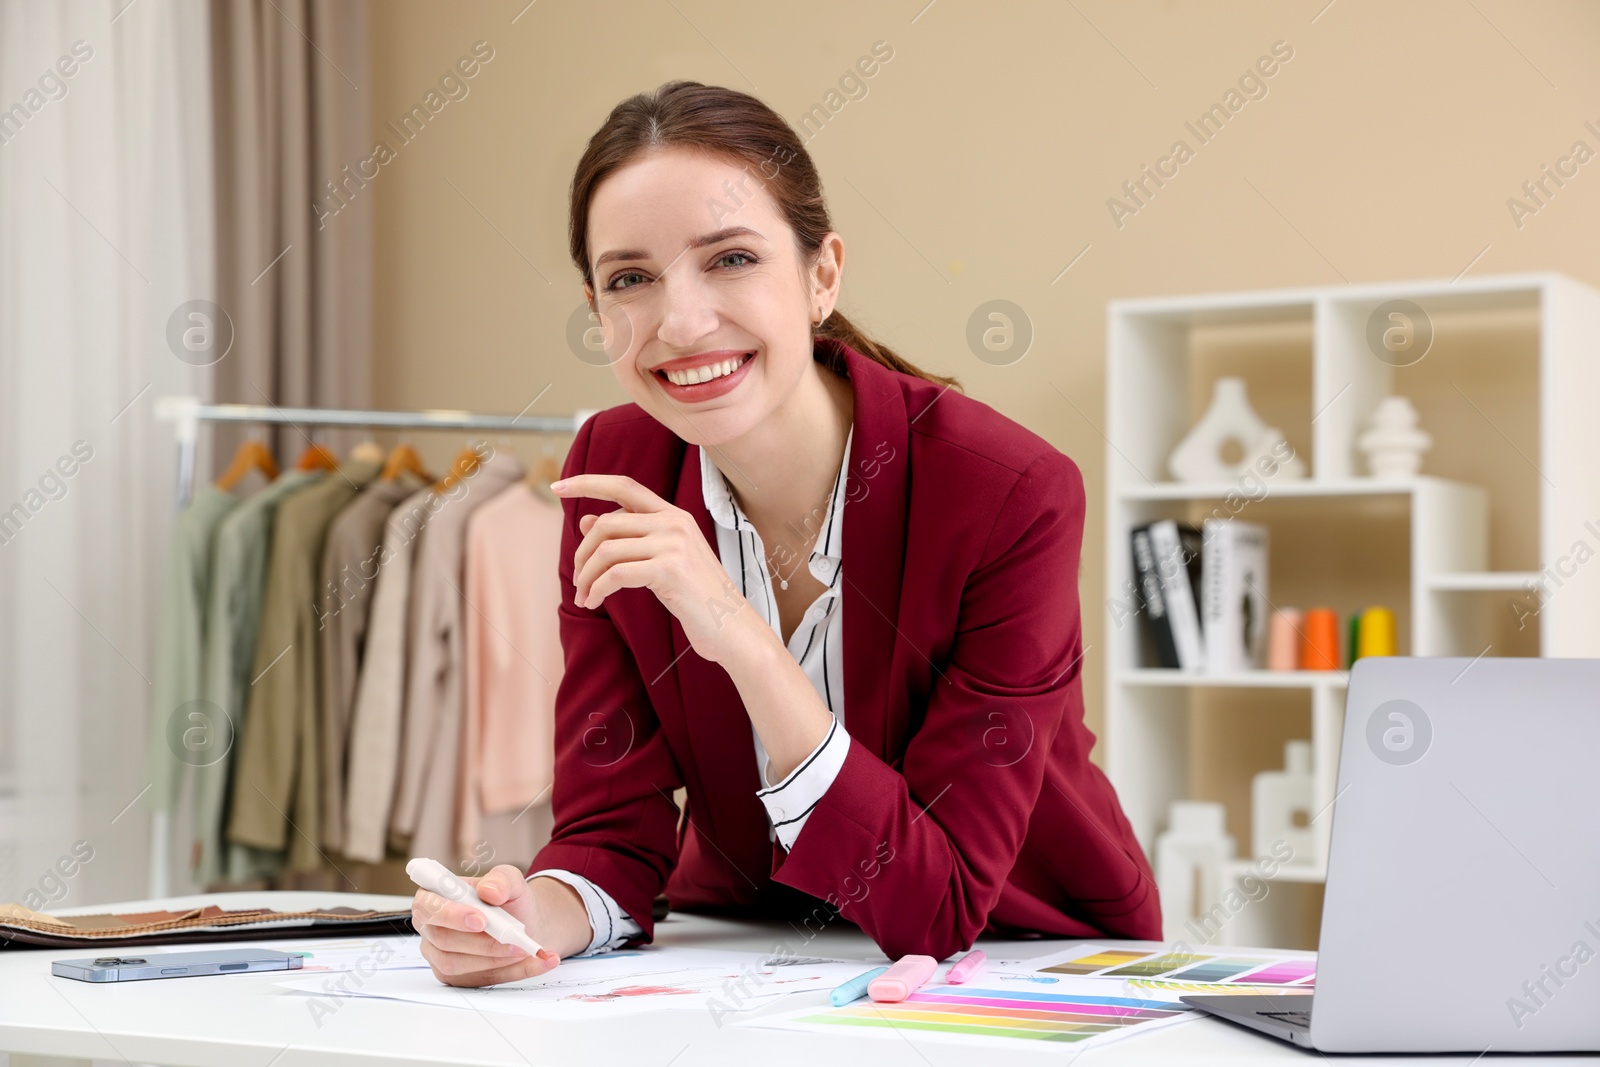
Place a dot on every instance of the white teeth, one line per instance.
(706, 373)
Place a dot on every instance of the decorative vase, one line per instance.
(1198, 457)
(1188, 867)
(1392, 442)
(1281, 807)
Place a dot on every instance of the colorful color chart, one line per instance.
(1001, 1013)
(1216, 970)
(1155, 965)
(1167, 987)
(1184, 967)
(1097, 962)
(1280, 973)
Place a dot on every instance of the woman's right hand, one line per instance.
(453, 941)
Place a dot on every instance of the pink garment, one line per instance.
(513, 658)
(424, 817)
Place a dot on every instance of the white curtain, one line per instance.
(106, 208)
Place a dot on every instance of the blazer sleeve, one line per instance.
(917, 854)
(614, 819)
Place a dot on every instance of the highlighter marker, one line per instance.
(854, 989)
(908, 975)
(965, 967)
(497, 922)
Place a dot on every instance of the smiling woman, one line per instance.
(929, 779)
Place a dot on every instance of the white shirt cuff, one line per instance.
(789, 802)
(609, 922)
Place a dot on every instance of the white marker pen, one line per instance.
(498, 923)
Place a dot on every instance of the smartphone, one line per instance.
(133, 967)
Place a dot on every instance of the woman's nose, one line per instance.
(688, 313)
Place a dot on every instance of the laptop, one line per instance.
(1462, 906)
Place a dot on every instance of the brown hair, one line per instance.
(737, 127)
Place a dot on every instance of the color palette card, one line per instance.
(1149, 971)
(1163, 988)
(1081, 1012)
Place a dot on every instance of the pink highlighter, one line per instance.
(908, 974)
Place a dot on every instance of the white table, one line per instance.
(248, 1021)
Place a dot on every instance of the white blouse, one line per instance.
(817, 644)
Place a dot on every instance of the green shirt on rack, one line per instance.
(233, 620)
(182, 728)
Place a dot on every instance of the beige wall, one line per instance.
(979, 165)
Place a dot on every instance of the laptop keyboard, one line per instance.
(1300, 1020)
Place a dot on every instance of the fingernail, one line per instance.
(559, 483)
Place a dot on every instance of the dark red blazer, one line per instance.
(967, 801)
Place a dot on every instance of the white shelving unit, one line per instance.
(1447, 594)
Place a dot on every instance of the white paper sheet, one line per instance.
(620, 983)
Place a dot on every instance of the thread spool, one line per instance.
(1320, 649)
(1283, 640)
(1377, 633)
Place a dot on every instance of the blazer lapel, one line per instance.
(733, 823)
(877, 501)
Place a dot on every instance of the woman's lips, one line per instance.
(691, 394)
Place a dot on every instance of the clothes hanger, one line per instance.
(545, 471)
(466, 462)
(251, 455)
(404, 460)
(316, 458)
(367, 452)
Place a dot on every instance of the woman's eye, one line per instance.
(619, 282)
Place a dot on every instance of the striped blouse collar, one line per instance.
(725, 510)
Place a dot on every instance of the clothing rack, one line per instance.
(186, 413)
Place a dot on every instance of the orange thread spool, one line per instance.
(1320, 649)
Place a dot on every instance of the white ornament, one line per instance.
(1266, 458)
(1188, 868)
(1392, 442)
(1275, 798)
(1198, 457)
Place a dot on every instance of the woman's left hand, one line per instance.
(648, 543)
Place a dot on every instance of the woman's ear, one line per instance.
(827, 274)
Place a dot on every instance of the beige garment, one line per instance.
(350, 564)
(513, 658)
(376, 720)
(425, 808)
(277, 781)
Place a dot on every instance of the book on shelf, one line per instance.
(1167, 573)
(1233, 598)
(1152, 604)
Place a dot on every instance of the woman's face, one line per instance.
(705, 304)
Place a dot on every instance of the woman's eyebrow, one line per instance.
(629, 254)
